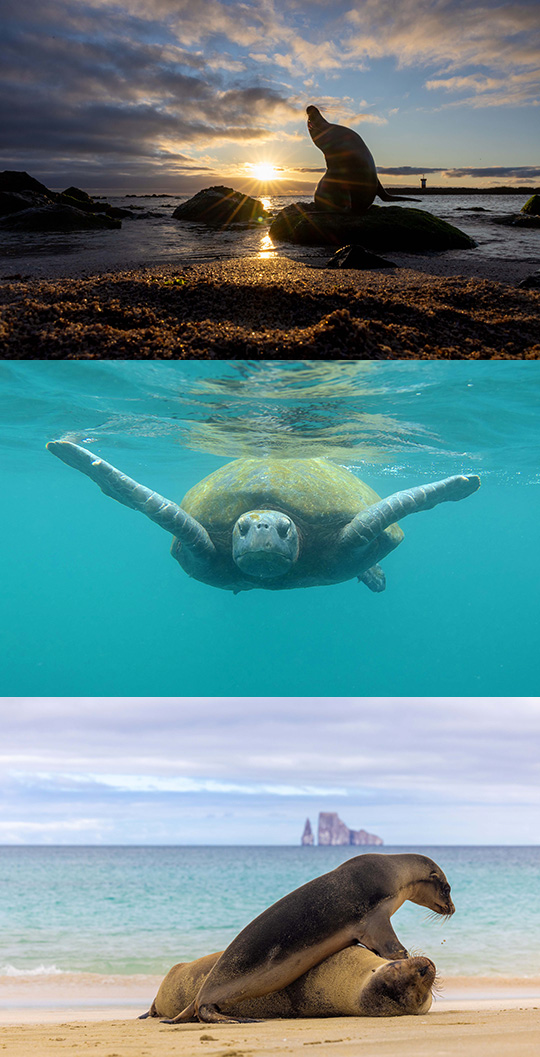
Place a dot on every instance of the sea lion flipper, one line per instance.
(209, 1014)
(377, 934)
(386, 197)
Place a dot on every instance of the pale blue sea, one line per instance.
(117, 911)
(93, 604)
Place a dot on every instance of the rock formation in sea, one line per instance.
(307, 836)
(332, 831)
(382, 228)
(220, 207)
(532, 206)
(27, 205)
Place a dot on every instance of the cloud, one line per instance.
(101, 83)
(516, 172)
(137, 86)
(511, 90)
(250, 769)
(406, 170)
(509, 172)
(354, 743)
(451, 33)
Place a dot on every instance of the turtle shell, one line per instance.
(315, 493)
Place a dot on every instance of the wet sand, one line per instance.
(498, 1032)
(429, 308)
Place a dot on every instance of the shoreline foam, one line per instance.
(91, 996)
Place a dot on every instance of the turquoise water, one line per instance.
(94, 605)
(139, 910)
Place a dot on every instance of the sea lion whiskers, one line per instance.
(437, 987)
(438, 917)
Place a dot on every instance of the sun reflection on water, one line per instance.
(267, 248)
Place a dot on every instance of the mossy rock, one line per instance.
(532, 206)
(381, 228)
(220, 207)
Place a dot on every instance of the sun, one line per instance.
(264, 171)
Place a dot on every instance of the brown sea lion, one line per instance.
(350, 182)
(351, 904)
(352, 983)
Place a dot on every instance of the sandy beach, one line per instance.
(430, 308)
(505, 1023)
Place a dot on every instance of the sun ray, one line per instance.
(264, 171)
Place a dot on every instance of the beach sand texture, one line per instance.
(428, 309)
(474, 1033)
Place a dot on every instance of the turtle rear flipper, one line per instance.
(374, 578)
(125, 490)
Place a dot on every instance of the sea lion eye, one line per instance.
(283, 527)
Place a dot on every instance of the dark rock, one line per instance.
(531, 282)
(526, 220)
(11, 180)
(357, 257)
(27, 205)
(219, 207)
(518, 220)
(81, 200)
(307, 836)
(14, 202)
(75, 192)
(381, 228)
(54, 216)
(332, 831)
(532, 207)
(119, 213)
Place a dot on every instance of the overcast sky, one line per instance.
(249, 770)
(174, 95)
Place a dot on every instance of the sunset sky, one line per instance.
(249, 770)
(175, 95)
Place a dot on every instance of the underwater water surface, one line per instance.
(93, 604)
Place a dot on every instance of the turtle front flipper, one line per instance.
(366, 526)
(125, 490)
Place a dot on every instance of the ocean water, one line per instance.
(117, 910)
(93, 604)
(156, 238)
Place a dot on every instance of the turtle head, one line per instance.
(265, 543)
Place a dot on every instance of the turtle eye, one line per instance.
(243, 526)
(283, 527)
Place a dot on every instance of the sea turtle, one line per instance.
(274, 523)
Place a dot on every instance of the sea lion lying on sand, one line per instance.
(351, 904)
(352, 983)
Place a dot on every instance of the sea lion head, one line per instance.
(317, 124)
(433, 890)
(265, 543)
(399, 988)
